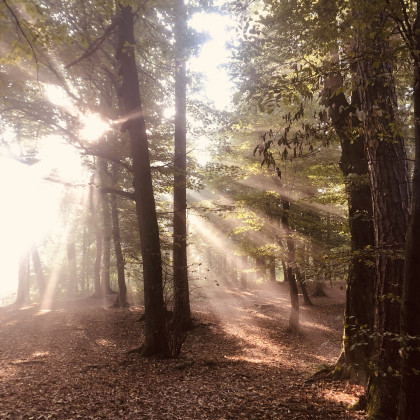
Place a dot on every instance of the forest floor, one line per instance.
(72, 362)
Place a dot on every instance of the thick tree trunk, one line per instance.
(290, 264)
(358, 326)
(390, 200)
(156, 340)
(409, 404)
(39, 274)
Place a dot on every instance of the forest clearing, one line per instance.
(239, 362)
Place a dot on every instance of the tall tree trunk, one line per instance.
(390, 200)
(94, 210)
(409, 404)
(121, 300)
(358, 325)
(22, 296)
(106, 248)
(156, 340)
(71, 261)
(290, 264)
(40, 278)
(84, 269)
(182, 311)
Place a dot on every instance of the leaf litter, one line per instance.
(239, 362)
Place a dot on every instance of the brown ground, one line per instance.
(239, 363)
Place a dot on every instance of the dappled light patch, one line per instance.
(40, 354)
(315, 325)
(341, 396)
(26, 307)
(73, 361)
(42, 312)
(105, 343)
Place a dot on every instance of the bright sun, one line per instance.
(27, 213)
(94, 126)
(31, 203)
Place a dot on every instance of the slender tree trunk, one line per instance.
(94, 210)
(390, 199)
(409, 404)
(40, 278)
(289, 266)
(244, 272)
(71, 262)
(156, 340)
(182, 311)
(272, 268)
(84, 269)
(284, 267)
(121, 300)
(22, 296)
(106, 248)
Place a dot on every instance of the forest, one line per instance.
(210, 209)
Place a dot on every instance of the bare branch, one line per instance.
(95, 45)
(105, 190)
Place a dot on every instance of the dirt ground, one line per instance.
(71, 362)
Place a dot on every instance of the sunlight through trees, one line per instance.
(239, 176)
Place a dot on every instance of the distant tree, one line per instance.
(290, 264)
(22, 295)
(121, 300)
(39, 274)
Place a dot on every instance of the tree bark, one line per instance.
(156, 340)
(390, 200)
(409, 404)
(358, 325)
